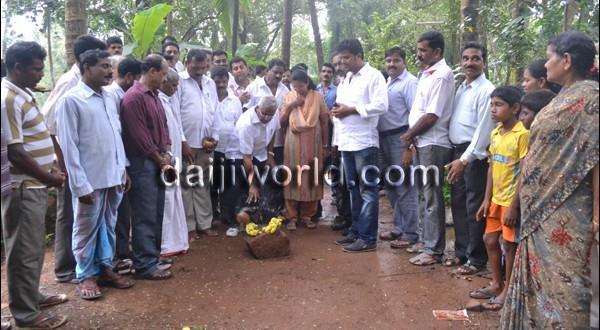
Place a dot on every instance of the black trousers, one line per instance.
(467, 196)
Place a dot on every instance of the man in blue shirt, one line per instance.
(86, 115)
(326, 87)
(402, 87)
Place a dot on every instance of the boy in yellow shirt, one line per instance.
(508, 147)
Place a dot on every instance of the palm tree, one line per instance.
(75, 25)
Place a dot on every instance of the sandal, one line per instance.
(424, 259)
(51, 300)
(400, 244)
(482, 293)
(310, 224)
(44, 321)
(468, 269)
(88, 289)
(456, 261)
(291, 226)
(494, 304)
(416, 248)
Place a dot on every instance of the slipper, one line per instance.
(291, 226)
(416, 248)
(400, 244)
(482, 293)
(310, 224)
(51, 300)
(468, 269)
(424, 259)
(44, 321)
(474, 305)
(456, 261)
(494, 304)
(88, 291)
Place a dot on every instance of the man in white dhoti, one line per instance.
(174, 229)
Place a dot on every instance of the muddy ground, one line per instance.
(218, 285)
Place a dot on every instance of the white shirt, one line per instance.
(63, 85)
(228, 112)
(116, 90)
(89, 130)
(367, 92)
(253, 136)
(174, 125)
(259, 89)
(234, 88)
(195, 108)
(179, 67)
(435, 93)
(471, 120)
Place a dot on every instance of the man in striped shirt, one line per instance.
(31, 153)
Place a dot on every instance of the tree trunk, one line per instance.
(170, 19)
(7, 16)
(314, 20)
(520, 31)
(470, 17)
(571, 9)
(268, 50)
(286, 38)
(49, 41)
(235, 26)
(75, 25)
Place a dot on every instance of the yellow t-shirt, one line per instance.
(506, 152)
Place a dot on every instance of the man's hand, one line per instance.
(244, 97)
(341, 110)
(87, 199)
(407, 139)
(127, 185)
(187, 153)
(483, 211)
(407, 158)
(510, 217)
(253, 194)
(209, 144)
(56, 178)
(456, 170)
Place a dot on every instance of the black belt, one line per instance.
(398, 130)
(461, 145)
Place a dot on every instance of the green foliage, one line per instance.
(145, 26)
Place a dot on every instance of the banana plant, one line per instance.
(145, 25)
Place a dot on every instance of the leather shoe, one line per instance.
(156, 275)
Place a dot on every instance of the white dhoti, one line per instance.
(174, 228)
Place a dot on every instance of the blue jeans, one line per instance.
(364, 195)
(147, 199)
(94, 231)
(402, 195)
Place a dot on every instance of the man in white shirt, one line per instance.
(401, 89)
(470, 128)
(128, 71)
(171, 48)
(361, 98)
(174, 238)
(429, 120)
(241, 79)
(195, 102)
(89, 132)
(229, 110)
(251, 146)
(64, 262)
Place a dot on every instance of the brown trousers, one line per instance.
(307, 210)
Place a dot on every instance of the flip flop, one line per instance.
(494, 304)
(482, 293)
(44, 321)
(468, 269)
(451, 262)
(96, 294)
(424, 260)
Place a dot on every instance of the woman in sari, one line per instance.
(550, 285)
(305, 118)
